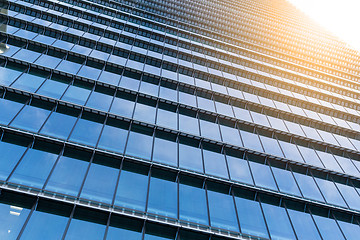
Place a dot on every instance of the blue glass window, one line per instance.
(28, 82)
(100, 100)
(140, 142)
(214, 162)
(87, 129)
(60, 125)
(132, 188)
(101, 180)
(54, 87)
(328, 228)
(239, 169)
(114, 135)
(165, 148)
(286, 181)
(166, 116)
(262, 175)
(221, 208)
(190, 155)
(310, 156)
(271, 146)
(347, 165)
(308, 187)
(69, 172)
(210, 129)
(329, 161)
(351, 231)
(30, 118)
(163, 194)
(251, 218)
(10, 155)
(192, 200)
(45, 223)
(123, 104)
(12, 216)
(278, 222)
(8, 75)
(330, 192)
(48, 61)
(8, 110)
(123, 228)
(291, 152)
(251, 141)
(129, 83)
(34, 167)
(230, 135)
(77, 93)
(110, 78)
(242, 114)
(145, 110)
(188, 122)
(350, 195)
(304, 225)
(206, 104)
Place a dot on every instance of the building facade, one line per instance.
(165, 119)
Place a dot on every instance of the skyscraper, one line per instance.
(164, 119)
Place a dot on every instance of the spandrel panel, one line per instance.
(251, 218)
(10, 155)
(86, 132)
(192, 203)
(67, 176)
(278, 222)
(100, 183)
(8, 110)
(286, 181)
(263, 176)
(12, 218)
(30, 118)
(328, 228)
(163, 195)
(222, 211)
(304, 225)
(34, 168)
(58, 125)
(215, 164)
(44, 225)
(132, 188)
(308, 187)
(330, 192)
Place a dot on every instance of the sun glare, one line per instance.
(341, 17)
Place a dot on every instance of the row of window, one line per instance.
(170, 149)
(98, 178)
(219, 55)
(123, 104)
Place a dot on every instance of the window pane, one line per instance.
(251, 141)
(165, 149)
(85, 230)
(239, 170)
(271, 146)
(222, 211)
(99, 101)
(77, 95)
(291, 152)
(113, 136)
(86, 132)
(7, 75)
(10, 155)
(215, 164)
(163, 194)
(310, 156)
(34, 168)
(350, 195)
(210, 130)
(140, 142)
(132, 187)
(330, 192)
(351, 231)
(59, 125)
(278, 222)
(68, 175)
(166, 118)
(28, 82)
(190, 156)
(308, 187)
(189, 124)
(286, 181)
(304, 225)
(262, 175)
(230, 135)
(144, 112)
(251, 217)
(8, 110)
(123, 107)
(328, 228)
(53, 88)
(100, 181)
(30, 118)
(192, 201)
